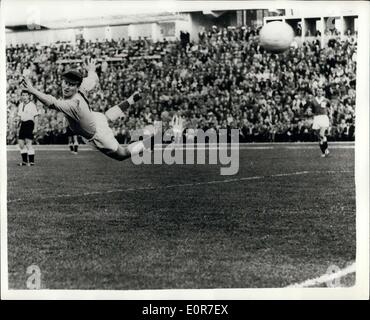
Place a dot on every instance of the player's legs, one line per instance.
(30, 152)
(320, 126)
(122, 153)
(105, 141)
(317, 132)
(323, 141)
(75, 144)
(23, 151)
(70, 143)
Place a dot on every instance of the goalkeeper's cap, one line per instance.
(73, 77)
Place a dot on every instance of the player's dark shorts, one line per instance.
(69, 132)
(26, 130)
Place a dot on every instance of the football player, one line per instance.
(320, 105)
(72, 141)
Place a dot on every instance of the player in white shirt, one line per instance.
(72, 139)
(92, 126)
(28, 116)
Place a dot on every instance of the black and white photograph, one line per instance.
(184, 149)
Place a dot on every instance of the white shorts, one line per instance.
(103, 138)
(320, 122)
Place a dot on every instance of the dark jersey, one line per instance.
(320, 105)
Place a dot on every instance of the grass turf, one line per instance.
(269, 232)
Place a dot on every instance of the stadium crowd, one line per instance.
(226, 80)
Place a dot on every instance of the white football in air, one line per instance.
(276, 36)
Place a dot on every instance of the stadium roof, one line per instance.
(55, 13)
(97, 21)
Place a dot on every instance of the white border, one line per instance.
(3, 157)
(359, 291)
(362, 152)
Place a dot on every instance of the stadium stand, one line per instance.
(224, 81)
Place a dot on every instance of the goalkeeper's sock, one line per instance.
(322, 147)
(31, 155)
(325, 146)
(149, 143)
(136, 147)
(116, 112)
(71, 147)
(31, 158)
(145, 144)
(75, 148)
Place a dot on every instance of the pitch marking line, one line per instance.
(84, 149)
(192, 184)
(325, 278)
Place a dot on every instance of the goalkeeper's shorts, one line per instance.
(103, 138)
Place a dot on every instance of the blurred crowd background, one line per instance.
(224, 81)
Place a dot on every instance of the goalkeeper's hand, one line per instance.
(177, 124)
(90, 65)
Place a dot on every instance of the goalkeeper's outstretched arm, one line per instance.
(47, 99)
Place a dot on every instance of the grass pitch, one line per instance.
(284, 218)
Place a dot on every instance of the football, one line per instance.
(276, 36)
